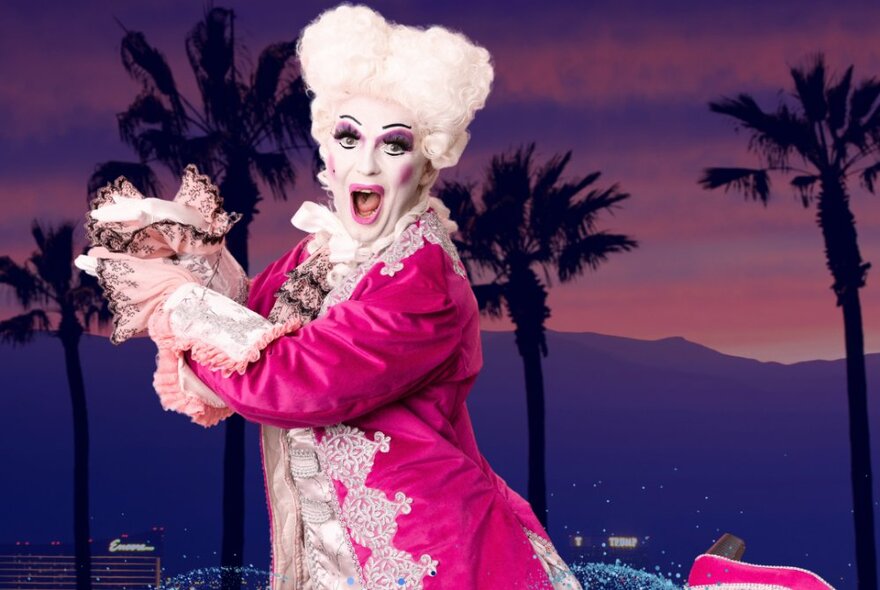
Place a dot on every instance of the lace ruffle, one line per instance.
(171, 347)
(302, 294)
(165, 237)
(207, 354)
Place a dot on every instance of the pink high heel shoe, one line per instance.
(720, 568)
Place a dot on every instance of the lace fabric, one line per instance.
(302, 294)
(138, 265)
(164, 237)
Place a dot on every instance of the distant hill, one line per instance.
(666, 440)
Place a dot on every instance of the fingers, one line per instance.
(122, 210)
(87, 264)
(147, 211)
(159, 209)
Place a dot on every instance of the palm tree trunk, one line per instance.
(860, 446)
(232, 549)
(240, 195)
(527, 305)
(845, 263)
(82, 550)
(537, 480)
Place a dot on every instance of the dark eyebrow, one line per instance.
(352, 118)
(396, 125)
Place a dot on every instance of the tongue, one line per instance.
(366, 203)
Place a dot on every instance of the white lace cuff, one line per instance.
(219, 334)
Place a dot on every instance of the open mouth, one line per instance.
(366, 201)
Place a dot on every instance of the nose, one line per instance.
(367, 164)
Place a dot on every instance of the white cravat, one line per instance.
(346, 252)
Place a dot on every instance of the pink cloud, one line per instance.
(664, 62)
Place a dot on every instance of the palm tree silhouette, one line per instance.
(243, 132)
(526, 219)
(65, 306)
(828, 135)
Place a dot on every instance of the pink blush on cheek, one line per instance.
(331, 167)
(406, 174)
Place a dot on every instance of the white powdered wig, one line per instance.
(437, 74)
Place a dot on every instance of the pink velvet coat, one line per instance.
(373, 475)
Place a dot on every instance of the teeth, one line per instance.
(362, 199)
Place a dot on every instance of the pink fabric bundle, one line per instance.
(140, 260)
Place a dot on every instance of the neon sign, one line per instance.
(118, 545)
(623, 542)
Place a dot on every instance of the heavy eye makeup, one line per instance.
(346, 135)
(396, 143)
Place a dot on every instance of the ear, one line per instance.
(429, 175)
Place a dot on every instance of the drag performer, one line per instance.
(355, 350)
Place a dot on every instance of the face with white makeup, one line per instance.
(374, 165)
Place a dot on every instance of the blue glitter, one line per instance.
(350, 581)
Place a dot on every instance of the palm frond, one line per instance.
(202, 150)
(773, 135)
(210, 47)
(53, 259)
(87, 298)
(753, 183)
(868, 176)
(490, 298)
(810, 88)
(552, 202)
(162, 145)
(139, 174)
(458, 197)
(22, 328)
(25, 284)
(590, 251)
(836, 97)
(146, 110)
(506, 197)
(148, 66)
(266, 80)
(294, 115)
(276, 171)
(863, 118)
(583, 213)
(292, 121)
(804, 186)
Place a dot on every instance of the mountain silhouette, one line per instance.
(667, 440)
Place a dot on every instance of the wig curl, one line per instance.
(437, 74)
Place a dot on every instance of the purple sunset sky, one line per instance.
(623, 84)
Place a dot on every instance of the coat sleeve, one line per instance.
(364, 353)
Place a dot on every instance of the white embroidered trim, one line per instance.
(347, 455)
(330, 556)
(560, 576)
(430, 229)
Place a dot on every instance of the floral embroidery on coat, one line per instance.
(345, 454)
(370, 515)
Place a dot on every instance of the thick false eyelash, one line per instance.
(399, 140)
(346, 131)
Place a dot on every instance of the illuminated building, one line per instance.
(126, 562)
(632, 550)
